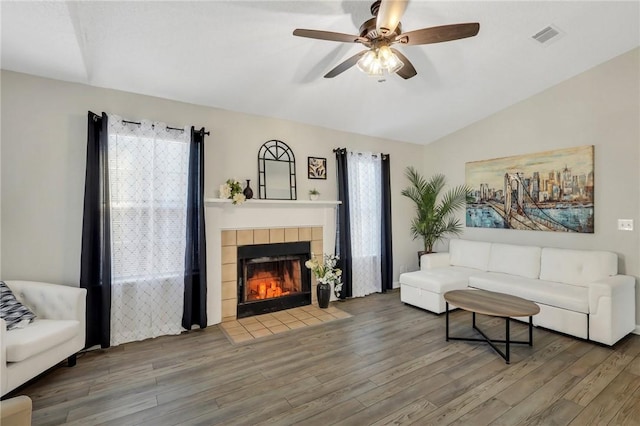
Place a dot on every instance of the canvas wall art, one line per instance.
(546, 191)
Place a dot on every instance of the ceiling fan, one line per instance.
(382, 31)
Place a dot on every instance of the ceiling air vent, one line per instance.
(548, 35)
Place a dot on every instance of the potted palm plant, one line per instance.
(435, 212)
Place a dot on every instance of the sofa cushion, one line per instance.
(469, 254)
(439, 280)
(523, 261)
(577, 267)
(39, 336)
(570, 297)
(12, 311)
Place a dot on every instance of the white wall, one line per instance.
(44, 131)
(600, 107)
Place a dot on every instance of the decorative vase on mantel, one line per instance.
(323, 291)
(248, 192)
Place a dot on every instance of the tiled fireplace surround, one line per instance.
(234, 238)
(257, 222)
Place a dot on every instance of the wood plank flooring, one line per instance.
(388, 364)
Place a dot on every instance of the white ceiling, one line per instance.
(241, 56)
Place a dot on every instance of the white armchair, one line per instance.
(57, 333)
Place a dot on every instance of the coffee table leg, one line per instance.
(530, 330)
(507, 341)
(446, 304)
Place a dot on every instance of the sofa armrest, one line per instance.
(615, 287)
(51, 301)
(612, 308)
(3, 357)
(434, 260)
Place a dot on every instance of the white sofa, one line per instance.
(57, 333)
(579, 291)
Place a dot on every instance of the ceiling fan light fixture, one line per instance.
(377, 62)
(389, 61)
(365, 63)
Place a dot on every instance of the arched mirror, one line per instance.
(276, 171)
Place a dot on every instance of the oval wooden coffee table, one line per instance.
(496, 305)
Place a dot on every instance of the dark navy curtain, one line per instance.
(386, 248)
(343, 238)
(195, 275)
(95, 257)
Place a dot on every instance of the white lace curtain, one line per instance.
(365, 210)
(148, 171)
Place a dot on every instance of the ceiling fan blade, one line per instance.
(389, 15)
(407, 71)
(331, 36)
(345, 65)
(439, 34)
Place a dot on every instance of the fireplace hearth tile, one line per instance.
(279, 329)
(261, 333)
(312, 321)
(288, 319)
(250, 328)
(325, 318)
(248, 320)
(271, 322)
(254, 327)
(296, 324)
(245, 337)
(301, 315)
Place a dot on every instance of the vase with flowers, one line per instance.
(327, 275)
(232, 190)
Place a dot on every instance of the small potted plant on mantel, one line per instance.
(435, 214)
(314, 194)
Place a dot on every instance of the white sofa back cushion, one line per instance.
(470, 254)
(523, 261)
(577, 267)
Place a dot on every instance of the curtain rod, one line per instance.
(170, 128)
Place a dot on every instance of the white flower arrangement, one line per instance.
(326, 271)
(232, 190)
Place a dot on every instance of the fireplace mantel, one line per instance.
(264, 203)
(221, 215)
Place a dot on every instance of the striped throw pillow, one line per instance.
(11, 310)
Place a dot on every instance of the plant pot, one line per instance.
(323, 291)
(313, 197)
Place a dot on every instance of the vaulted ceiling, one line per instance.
(241, 56)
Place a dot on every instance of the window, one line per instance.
(365, 175)
(148, 172)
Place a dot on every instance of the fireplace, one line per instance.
(272, 277)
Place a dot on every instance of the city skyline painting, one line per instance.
(545, 191)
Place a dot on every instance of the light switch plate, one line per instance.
(625, 224)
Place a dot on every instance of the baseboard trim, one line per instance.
(637, 330)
